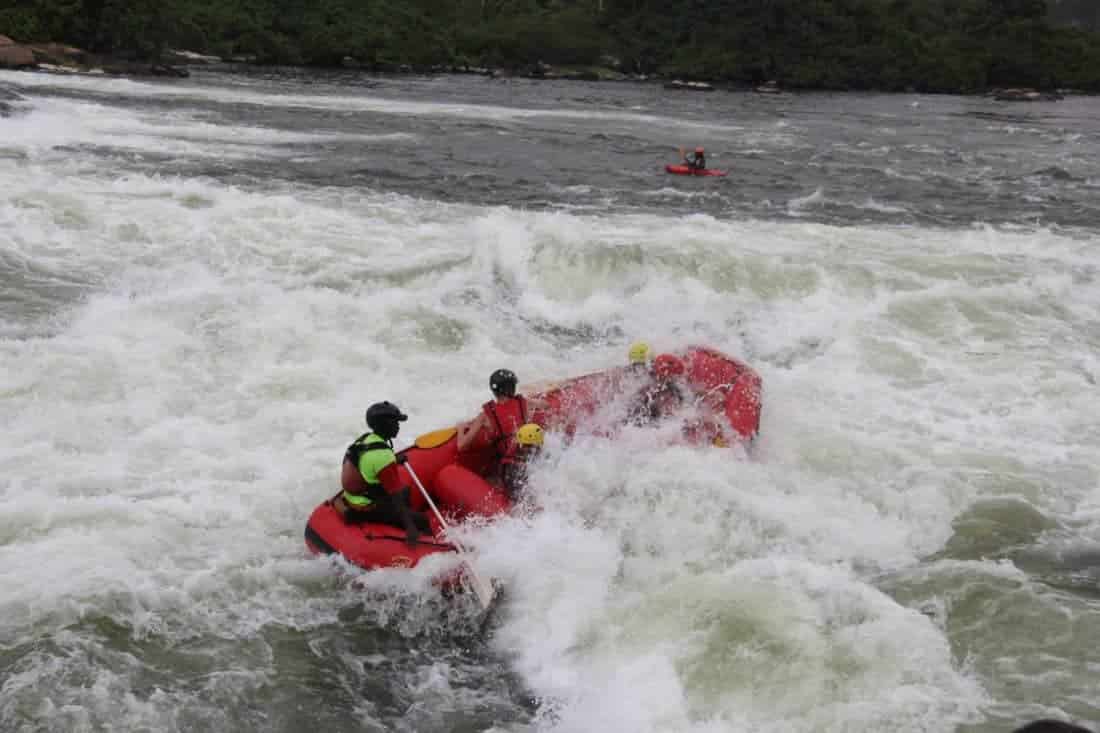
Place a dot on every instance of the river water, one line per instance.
(204, 282)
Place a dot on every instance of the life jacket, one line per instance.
(507, 418)
(358, 492)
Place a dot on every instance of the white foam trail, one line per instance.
(55, 123)
(872, 205)
(364, 103)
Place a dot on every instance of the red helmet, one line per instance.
(667, 366)
(700, 150)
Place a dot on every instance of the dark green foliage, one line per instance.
(927, 45)
(1083, 13)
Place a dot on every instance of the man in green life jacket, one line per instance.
(372, 488)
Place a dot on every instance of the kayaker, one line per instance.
(500, 418)
(697, 160)
(372, 488)
(663, 396)
(514, 470)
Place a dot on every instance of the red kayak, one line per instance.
(725, 389)
(684, 170)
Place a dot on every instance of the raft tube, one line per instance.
(369, 546)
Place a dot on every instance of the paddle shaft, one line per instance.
(482, 589)
(427, 498)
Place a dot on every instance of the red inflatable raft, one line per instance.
(725, 388)
(684, 170)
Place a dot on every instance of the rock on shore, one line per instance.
(14, 55)
(60, 58)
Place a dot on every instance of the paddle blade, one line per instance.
(482, 588)
(435, 438)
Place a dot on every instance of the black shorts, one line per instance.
(386, 511)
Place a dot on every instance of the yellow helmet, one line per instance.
(639, 352)
(529, 434)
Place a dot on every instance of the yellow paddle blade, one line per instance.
(435, 438)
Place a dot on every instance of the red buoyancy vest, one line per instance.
(506, 417)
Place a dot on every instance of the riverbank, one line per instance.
(62, 58)
(830, 45)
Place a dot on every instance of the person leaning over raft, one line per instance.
(660, 398)
(663, 396)
(639, 356)
(514, 474)
(500, 418)
(372, 490)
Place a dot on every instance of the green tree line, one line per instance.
(1084, 13)
(926, 45)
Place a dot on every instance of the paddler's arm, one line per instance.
(391, 482)
(468, 431)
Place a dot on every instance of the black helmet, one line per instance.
(503, 382)
(383, 419)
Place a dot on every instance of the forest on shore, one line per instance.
(919, 45)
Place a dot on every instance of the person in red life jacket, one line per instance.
(697, 160)
(499, 420)
(372, 488)
(661, 398)
(514, 474)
